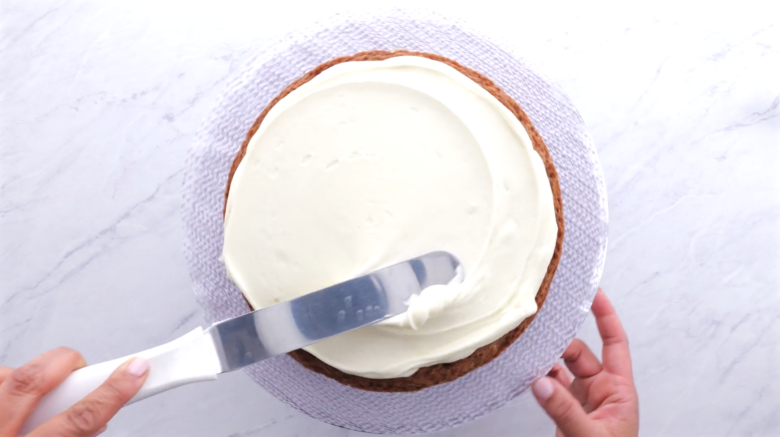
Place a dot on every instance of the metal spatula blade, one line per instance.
(234, 343)
(291, 325)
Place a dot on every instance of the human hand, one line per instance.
(22, 388)
(601, 400)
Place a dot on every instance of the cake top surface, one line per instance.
(373, 162)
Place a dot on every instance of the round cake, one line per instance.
(375, 158)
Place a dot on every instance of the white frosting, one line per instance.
(374, 162)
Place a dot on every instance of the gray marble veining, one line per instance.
(100, 100)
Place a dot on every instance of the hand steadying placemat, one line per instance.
(489, 387)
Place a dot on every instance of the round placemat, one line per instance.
(489, 387)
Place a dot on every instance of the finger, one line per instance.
(563, 409)
(4, 372)
(615, 354)
(25, 386)
(90, 415)
(580, 389)
(580, 360)
(560, 374)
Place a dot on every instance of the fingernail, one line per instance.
(138, 367)
(543, 388)
(101, 431)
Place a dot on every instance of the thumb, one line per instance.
(563, 409)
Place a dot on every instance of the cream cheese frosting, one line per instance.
(375, 162)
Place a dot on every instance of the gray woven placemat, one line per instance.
(584, 203)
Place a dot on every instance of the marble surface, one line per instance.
(100, 100)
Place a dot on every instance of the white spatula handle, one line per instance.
(190, 358)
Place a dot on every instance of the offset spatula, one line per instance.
(232, 344)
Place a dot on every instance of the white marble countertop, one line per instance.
(100, 100)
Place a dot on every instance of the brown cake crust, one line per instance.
(439, 373)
